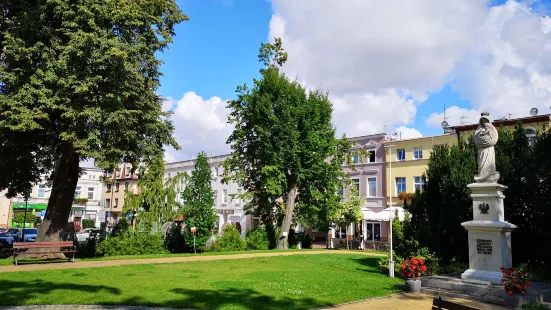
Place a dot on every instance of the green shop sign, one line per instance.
(35, 206)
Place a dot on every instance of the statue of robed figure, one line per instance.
(485, 138)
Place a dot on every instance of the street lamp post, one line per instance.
(391, 261)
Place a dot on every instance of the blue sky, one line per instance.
(464, 66)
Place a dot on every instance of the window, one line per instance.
(400, 185)
(215, 196)
(356, 183)
(77, 192)
(108, 187)
(400, 154)
(239, 192)
(371, 156)
(341, 190)
(225, 196)
(356, 159)
(116, 187)
(371, 187)
(116, 203)
(418, 183)
(531, 135)
(118, 173)
(107, 203)
(91, 192)
(216, 172)
(417, 153)
(126, 186)
(127, 171)
(41, 190)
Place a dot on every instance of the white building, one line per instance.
(228, 208)
(87, 204)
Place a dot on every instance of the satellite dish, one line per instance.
(445, 124)
(533, 111)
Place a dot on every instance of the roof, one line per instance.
(417, 138)
(508, 122)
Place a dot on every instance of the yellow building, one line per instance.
(406, 161)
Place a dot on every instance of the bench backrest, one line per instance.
(42, 245)
(438, 303)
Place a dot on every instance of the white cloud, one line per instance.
(201, 125)
(454, 116)
(378, 59)
(508, 70)
(407, 133)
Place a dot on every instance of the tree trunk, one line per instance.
(287, 220)
(64, 183)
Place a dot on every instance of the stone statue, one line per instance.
(485, 138)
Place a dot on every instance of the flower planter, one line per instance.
(513, 301)
(413, 286)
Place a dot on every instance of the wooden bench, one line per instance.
(22, 248)
(439, 303)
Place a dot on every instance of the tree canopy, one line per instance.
(198, 197)
(79, 81)
(285, 152)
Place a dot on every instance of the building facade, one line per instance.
(115, 186)
(86, 205)
(368, 176)
(5, 214)
(229, 209)
(406, 162)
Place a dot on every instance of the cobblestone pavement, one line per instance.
(410, 302)
(167, 260)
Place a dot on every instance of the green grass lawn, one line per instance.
(291, 282)
(23, 260)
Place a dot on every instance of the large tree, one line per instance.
(157, 201)
(284, 147)
(78, 82)
(198, 196)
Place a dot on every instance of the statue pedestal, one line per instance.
(489, 234)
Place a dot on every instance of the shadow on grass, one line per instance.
(239, 298)
(16, 293)
(371, 262)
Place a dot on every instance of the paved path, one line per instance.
(167, 260)
(410, 302)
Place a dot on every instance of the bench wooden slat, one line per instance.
(30, 245)
(438, 303)
(29, 253)
(43, 242)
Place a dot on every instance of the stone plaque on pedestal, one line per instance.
(489, 234)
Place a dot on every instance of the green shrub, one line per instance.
(175, 241)
(257, 239)
(294, 238)
(120, 228)
(383, 264)
(131, 243)
(454, 266)
(229, 241)
(87, 223)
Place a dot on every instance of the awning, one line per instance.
(368, 215)
(383, 216)
(35, 206)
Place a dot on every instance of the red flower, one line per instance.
(510, 293)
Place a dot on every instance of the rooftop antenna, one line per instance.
(508, 115)
(445, 124)
(463, 118)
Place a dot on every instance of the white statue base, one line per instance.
(489, 234)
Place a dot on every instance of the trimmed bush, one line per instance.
(257, 239)
(131, 243)
(175, 241)
(229, 241)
